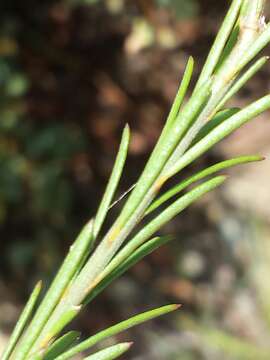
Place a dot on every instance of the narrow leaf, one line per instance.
(159, 157)
(220, 132)
(165, 216)
(243, 80)
(111, 352)
(255, 48)
(116, 329)
(56, 290)
(113, 182)
(62, 344)
(21, 323)
(219, 118)
(200, 175)
(229, 47)
(138, 255)
(195, 107)
(64, 319)
(180, 95)
(252, 9)
(37, 356)
(220, 42)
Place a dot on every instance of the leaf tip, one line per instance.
(127, 128)
(224, 177)
(191, 60)
(39, 285)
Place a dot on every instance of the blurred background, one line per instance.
(72, 73)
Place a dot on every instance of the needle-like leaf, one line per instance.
(65, 319)
(255, 48)
(180, 95)
(137, 200)
(159, 157)
(220, 42)
(166, 215)
(110, 353)
(116, 329)
(243, 80)
(135, 257)
(24, 318)
(113, 182)
(200, 175)
(220, 132)
(219, 118)
(188, 133)
(56, 290)
(62, 344)
(229, 47)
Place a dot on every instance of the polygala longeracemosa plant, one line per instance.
(191, 129)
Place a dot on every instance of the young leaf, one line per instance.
(65, 319)
(220, 132)
(219, 118)
(243, 80)
(113, 182)
(21, 323)
(135, 205)
(111, 352)
(179, 96)
(56, 290)
(165, 216)
(160, 156)
(138, 255)
(220, 42)
(200, 175)
(255, 48)
(229, 47)
(62, 344)
(116, 329)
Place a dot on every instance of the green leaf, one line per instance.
(113, 182)
(180, 95)
(252, 9)
(111, 352)
(243, 80)
(165, 216)
(138, 255)
(220, 42)
(219, 118)
(220, 132)
(116, 329)
(62, 344)
(37, 356)
(229, 47)
(64, 319)
(255, 48)
(137, 202)
(200, 175)
(21, 323)
(175, 109)
(56, 290)
(163, 151)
